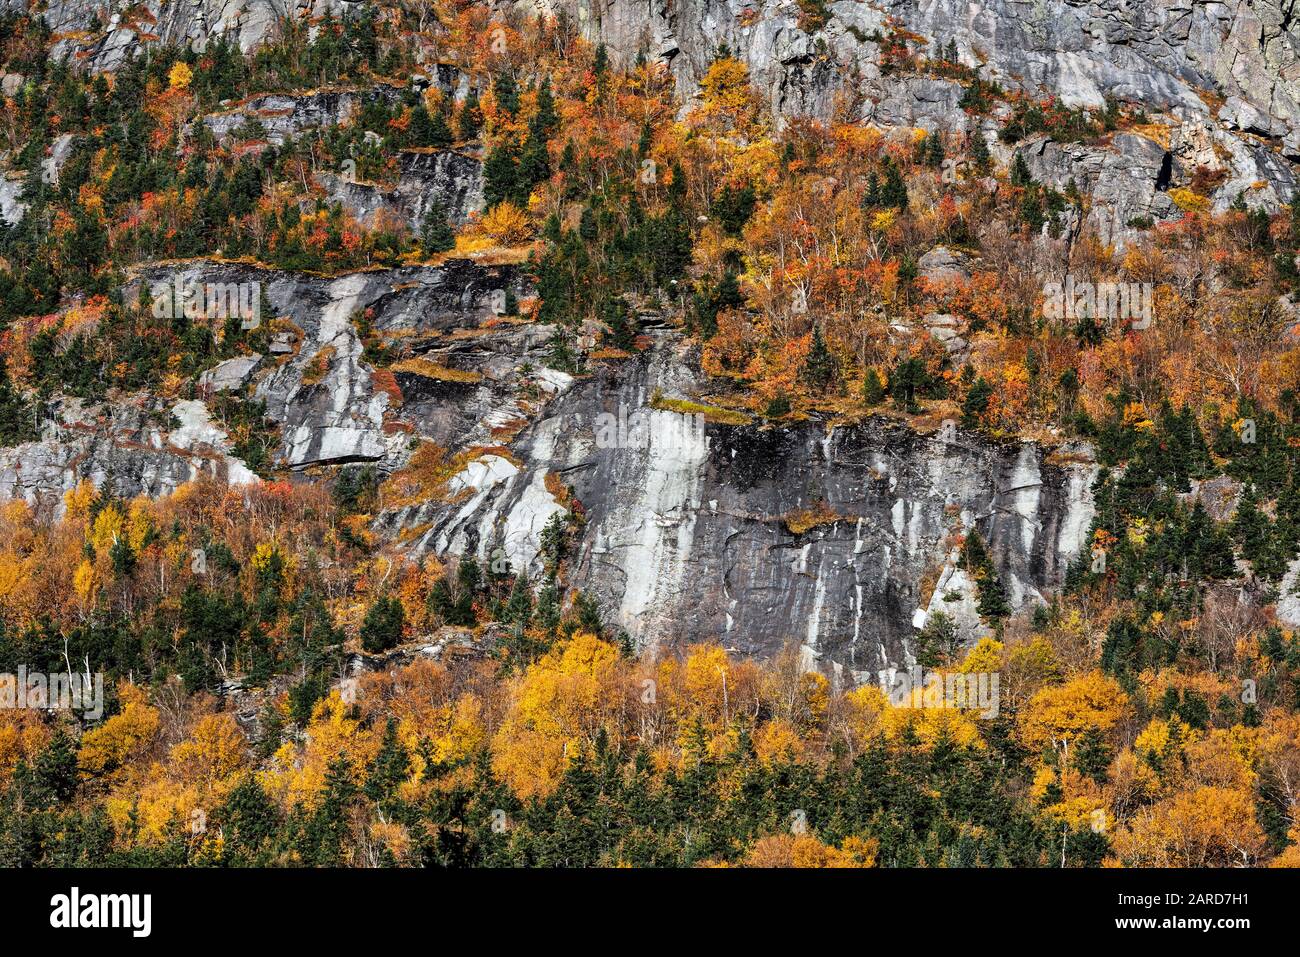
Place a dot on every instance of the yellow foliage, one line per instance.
(104, 750)
(984, 658)
(777, 741)
(297, 772)
(556, 708)
(805, 851)
(1205, 827)
(1162, 742)
(506, 224)
(264, 556)
(84, 581)
(932, 725)
(1189, 201)
(179, 77)
(1060, 714)
(883, 221)
(107, 527)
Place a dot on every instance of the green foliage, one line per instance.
(383, 625)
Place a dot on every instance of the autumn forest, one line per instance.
(292, 677)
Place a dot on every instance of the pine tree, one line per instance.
(420, 129)
(439, 132)
(1249, 526)
(991, 598)
(547, 615)
(249, 819)
(871, 197)
(1031, 209)
(388, 769)
(934, 153)
(506, 91)
(820, 368)
(894, 192)
(976, 404)
(1020, 175)
(468, 119)
(501, 180)
(321, 842)
(621, 333)
(437, 236)
(16, 424)
(383, 625)
(873, 390)
(938, 642)
(545, 121)
(535, 163)
(519, 607)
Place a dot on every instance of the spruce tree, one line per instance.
(437, 236)
(820, 367)
(383, 625)
(1020, 175)
(468, 119)
(894, 192)
(976, 404)
(873, 390)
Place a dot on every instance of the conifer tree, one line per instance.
(437, 236)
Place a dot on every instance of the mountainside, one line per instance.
(410, 411)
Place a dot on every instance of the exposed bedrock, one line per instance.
(689, 530)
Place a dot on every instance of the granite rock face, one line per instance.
(144, 446)
(319, 390)
(1224, 75)
(453, 178)
(104, 36)
(316, 384)
(1163, 53)
(841, 539)
(756, 536)
(285, 115)
(282, 116)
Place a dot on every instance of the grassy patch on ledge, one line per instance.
(711, 413)
(434, 370)
(806, 519)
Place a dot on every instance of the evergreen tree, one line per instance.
(502, 181)
(873, 390)
(321, 842)
(388, 769)
(976, 403)
(16, 425)
(1020, 175)
(545, 121)
(383, 625)
(437, 236)
(506, 91)
(894, 191)
(468, 119)
(820, 368)
(249, 819)
(519, 607)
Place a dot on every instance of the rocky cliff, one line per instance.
(1225, 75)
(838, 537)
